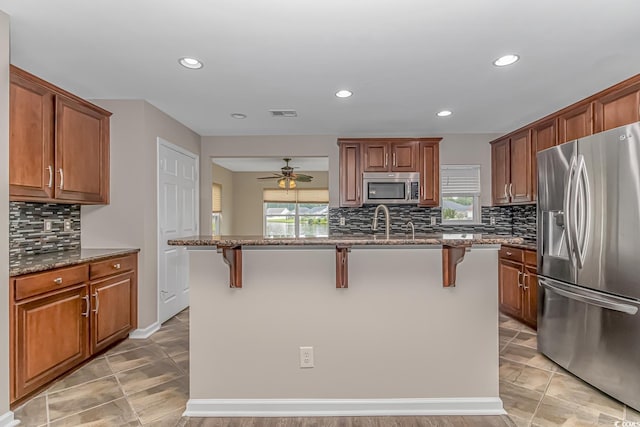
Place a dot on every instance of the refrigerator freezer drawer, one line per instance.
(592, 335)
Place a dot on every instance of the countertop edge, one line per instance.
(50, 265)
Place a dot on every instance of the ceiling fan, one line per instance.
(287, 178)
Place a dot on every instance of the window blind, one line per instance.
(306, 195)
(460, 179)
(216, 197)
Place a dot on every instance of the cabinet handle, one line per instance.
(86, 313)
(58, 280)
(509, 253)
(394, 159)
(505, 192)
(116, 266)
(524, 278)
(97, 303)
(50, 169)
(61, 178)
(386, 159)
(357, 192)
(510, 193)
(519, 275)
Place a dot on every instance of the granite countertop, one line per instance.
(528, 244)
(42, 262)
(421, 239)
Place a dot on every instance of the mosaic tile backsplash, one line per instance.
(516, 220)
(26, 228)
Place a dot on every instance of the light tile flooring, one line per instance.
(146, 382)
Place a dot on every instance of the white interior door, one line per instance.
(177, 217)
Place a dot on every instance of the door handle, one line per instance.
(386, 159)
(61, 178)
(510, 188)
(86, 313)
(568, 208)
(97, 303)
(524, 282)
(50, 169)
(519, 275)
(506, 196)
(581, 225)
(394, 159)
(592, 300)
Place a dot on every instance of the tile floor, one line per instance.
(146, 382)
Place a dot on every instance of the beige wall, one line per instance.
(4, 213)
(224, 177)
(247, 201)
(263, 146)
(454, 149)
(394, 333)
(130, 220)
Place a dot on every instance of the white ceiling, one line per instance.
(271, 164)
(403, 59)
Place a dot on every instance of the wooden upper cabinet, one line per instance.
(390, 156)
(575, 123)
(404, 157)
(31, 165)
(520, 189)
(429, 153)
(618, 108)
(58, 145)
(350, 174)
(82, 152)
(500, 171)
(543, 136)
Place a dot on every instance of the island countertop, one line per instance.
(457, 239)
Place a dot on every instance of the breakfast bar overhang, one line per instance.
(395, 341)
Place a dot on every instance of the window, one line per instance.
(216, 208)
(460, 194)
(296, 213)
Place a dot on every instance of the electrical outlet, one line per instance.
(67, 224)
(433, 220)
(342, 220)
(492, 220)
(48, 224)
(306, 357)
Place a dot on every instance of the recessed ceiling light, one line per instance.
(444, 113)
(238, 116)
(506, 60)
(192, 63)
(344, 93)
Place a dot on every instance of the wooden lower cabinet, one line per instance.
(59, 319)
(51, 337)
(518, 285)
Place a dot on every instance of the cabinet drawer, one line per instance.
(112, 266)
(513, 254)
(35, 284)
(530, 258)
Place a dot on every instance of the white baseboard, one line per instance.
(140, 334)
(6, 420)
(342, 407)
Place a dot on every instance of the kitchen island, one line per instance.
(395, 339)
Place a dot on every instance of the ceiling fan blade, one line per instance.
(303, 178)
(275, 176)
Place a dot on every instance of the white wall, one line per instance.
(247, 200)
(454, 149)
(130, 220)
(4, 214)
(224, 177)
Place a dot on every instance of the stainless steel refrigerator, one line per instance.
(589, 259)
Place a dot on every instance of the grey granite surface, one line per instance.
(526, 244)
(422, 239)
(42, 262)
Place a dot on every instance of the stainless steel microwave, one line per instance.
(393, 188)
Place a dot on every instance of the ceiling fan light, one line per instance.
(286, 183)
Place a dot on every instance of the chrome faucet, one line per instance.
(374, 226)
(413, 229)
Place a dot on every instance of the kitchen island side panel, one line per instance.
(394, 333)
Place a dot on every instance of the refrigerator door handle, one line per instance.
(583, 225)
(568, 209)
(589, 299)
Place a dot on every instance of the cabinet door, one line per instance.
(543, 136)
(429, 173)
(350, 175)
(530, 297)
(509, 287)
(31, 140)
(618, 108)
(500, 171)
(520, 189)
(82, 152)
(403, 156)
(576, 123)
(376, 156)
(51, 337)
(111, 314)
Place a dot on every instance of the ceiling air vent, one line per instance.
(283, 113)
